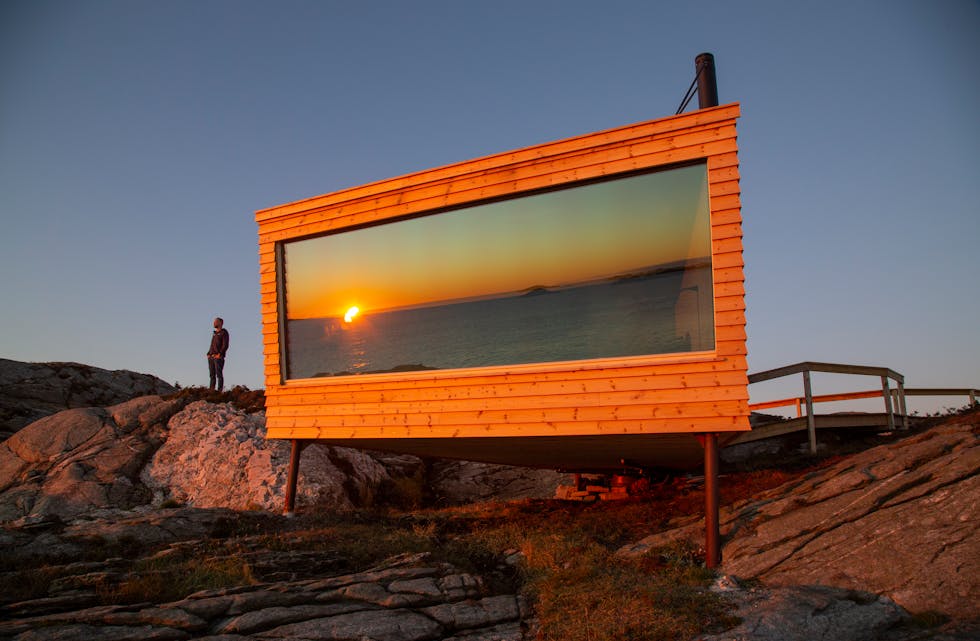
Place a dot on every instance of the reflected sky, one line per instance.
(550, 239)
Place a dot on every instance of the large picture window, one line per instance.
(615, 268)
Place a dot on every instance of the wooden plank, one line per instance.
(728, 275)
(610, 403)
(400, 391)
(730, 201)
(720, 173)
(717, 189)
(724, 246)
(821, 398)
(718, 161)
(279, 427)
(727, 260)
(483, 397)
(726, 231)
(413, 426)
(831, 368)
(726, 217)
(733, 288)
(340, 416)
(941, 391)
(526, 374)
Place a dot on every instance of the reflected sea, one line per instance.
(623, 318)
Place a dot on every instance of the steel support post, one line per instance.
(712, 533)
(293, 477)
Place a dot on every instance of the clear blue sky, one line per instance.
(137, 138)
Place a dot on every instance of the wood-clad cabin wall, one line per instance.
(704, 391)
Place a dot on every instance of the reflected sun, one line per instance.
(351, 313)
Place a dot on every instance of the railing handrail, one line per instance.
(830, 368)
(942, 391)
(972, 392)
(822, 398)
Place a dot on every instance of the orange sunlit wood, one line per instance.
(593, 414)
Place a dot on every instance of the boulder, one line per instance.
(80, 460)
(218, 456)
(30, 391)
(460, 482)
(803, 613)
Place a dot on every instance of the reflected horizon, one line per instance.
(616, 268)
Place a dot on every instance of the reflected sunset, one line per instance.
(614, 268)
(551, 240)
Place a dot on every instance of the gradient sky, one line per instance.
(564, 237)
(137, 139)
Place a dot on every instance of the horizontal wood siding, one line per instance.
(637, 395)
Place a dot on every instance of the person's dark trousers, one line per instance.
(216, 368)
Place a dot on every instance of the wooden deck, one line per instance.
(895, 415)
(841, 420)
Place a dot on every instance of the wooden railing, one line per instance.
(969, 392)
(894, 399)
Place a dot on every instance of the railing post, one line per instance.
(811, 421)
(902, 406)
(886, 392)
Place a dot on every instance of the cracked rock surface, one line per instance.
(898, 520)
(407, 598)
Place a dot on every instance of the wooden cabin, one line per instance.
(590, 411)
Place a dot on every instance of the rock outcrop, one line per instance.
(30, 391)
(806, 613)
(82, 459)
(897, 520)
(217, 456)
(151, 450)
(408, 598)
(154, 451)
(460, 482)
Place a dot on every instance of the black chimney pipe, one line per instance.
(707, 83)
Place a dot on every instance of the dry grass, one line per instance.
(250, 401)
(161, 581)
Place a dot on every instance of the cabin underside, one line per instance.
(600, 453)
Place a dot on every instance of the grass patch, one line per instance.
(929, 619)
(163, 580)
(28, 584)
(583, 592)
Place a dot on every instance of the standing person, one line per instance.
(216, 354)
